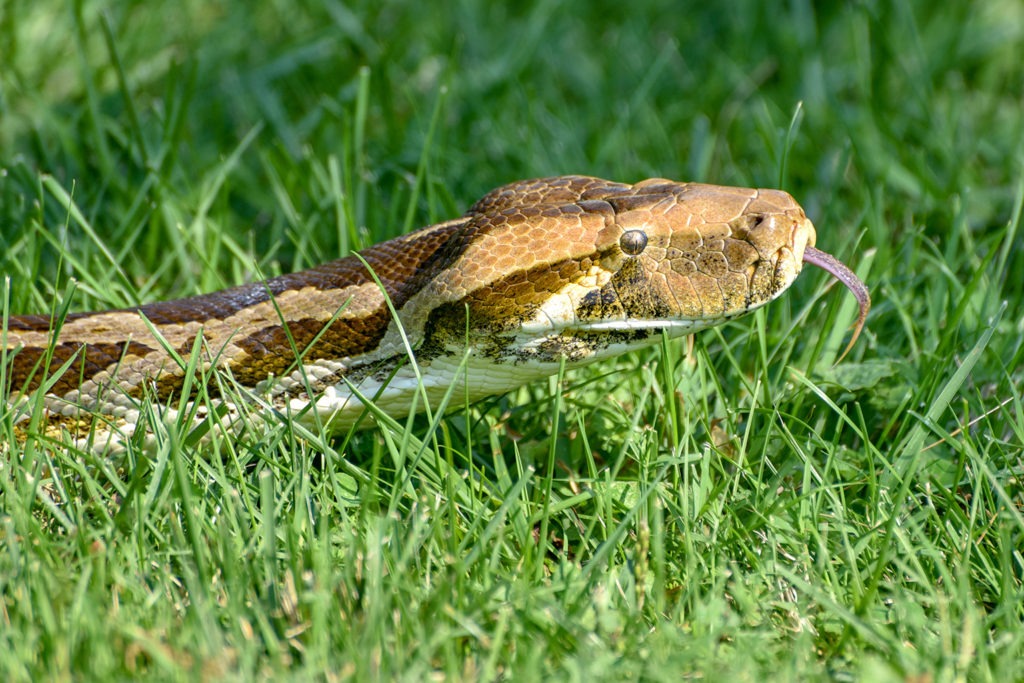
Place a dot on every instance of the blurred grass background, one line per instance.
(743, 509)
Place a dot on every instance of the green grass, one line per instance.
(744, 509)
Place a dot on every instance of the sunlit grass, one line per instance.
(738, 506)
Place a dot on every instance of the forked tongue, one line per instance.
(841, 272)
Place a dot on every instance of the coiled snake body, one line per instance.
(568, 269)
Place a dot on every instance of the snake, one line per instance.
(536, 277)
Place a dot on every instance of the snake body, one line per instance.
(538, 273)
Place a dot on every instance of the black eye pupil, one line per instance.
(633, 242)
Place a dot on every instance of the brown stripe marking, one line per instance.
(403, 265)
(28, 371)
(342, 339)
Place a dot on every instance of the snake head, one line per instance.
(587, 265)
(695, 255)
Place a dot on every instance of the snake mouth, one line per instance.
(636, 329)
(683, 325)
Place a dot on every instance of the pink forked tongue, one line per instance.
(841, 272)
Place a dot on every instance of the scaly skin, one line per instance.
(572, 268)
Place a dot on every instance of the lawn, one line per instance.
(738, 506)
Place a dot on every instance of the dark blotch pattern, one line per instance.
(628, 294)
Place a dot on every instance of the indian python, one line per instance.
(538, 273)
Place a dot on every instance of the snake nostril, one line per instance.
(633, 242)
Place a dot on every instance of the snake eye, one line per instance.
(633, 242)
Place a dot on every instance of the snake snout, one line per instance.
(777, 238)
(795, 234)
(789, 236)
